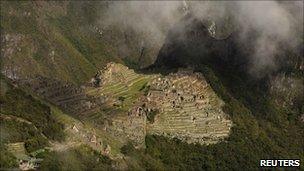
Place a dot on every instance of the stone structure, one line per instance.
(185, 105)
(123, 118)
(118, 101)
(130, 127)
(188, 109)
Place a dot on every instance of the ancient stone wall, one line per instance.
(184, 104)
(188, 109)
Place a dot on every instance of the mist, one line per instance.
(151, 18)
(275, 23)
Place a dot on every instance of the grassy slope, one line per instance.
(59, 42)
(261, 131)
(59, 39)
(80, 158)
(18, 104)
(41, 39)
(25, 119)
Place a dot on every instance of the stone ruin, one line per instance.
(112, 73)
(188, 109)
(116, 80)
(130, 127)
(185, 105)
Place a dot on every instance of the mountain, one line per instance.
(84, 88)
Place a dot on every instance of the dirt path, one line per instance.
(11, 117)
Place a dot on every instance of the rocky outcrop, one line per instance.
(287, 91)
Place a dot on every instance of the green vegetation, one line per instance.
(261, 131)
(131, 63)
(62, 46)
(24, 109)
(67, 41)
(35, 143)
(139, 159)
(78, 158)
(14, 131)
(121, 98)
(7, 159)
(24, 119)
(126, 86)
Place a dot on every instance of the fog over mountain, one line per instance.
(151, 85)
(274, 23)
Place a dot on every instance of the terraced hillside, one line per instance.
(188, 109)
(184, 104)
(69, 97)
(34, 124)
(118, 102)
(17, 149)
(121, 88)
(80, 133)
(120, 85)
